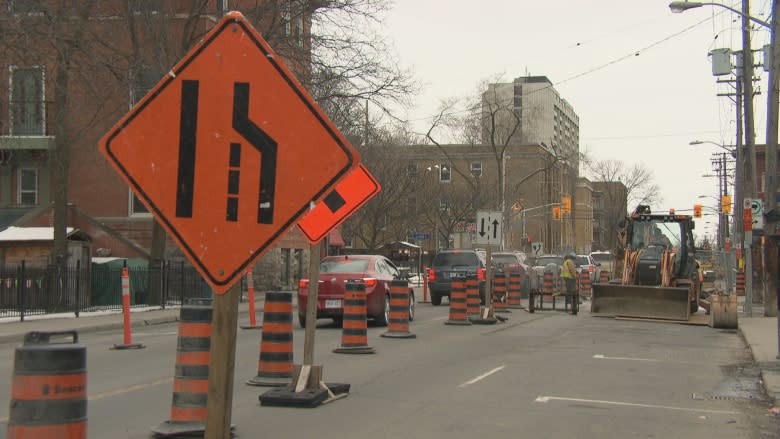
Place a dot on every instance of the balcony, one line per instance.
(26, 143)
(27, 128)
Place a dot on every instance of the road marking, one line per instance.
(116, 392)
(651, 360)
(546, 399)
(483, 376)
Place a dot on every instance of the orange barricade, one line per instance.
(603, 276)
(473, 299)
(128, 334)
(275, 367)
(354, 335)
(547, 286)
(584, 284)
(398, 322)
(191, 377)
(39, 408)
(740, 283)
(250, 292)
(514, 295)
(424, 275)
(499, 293)
(458, 303)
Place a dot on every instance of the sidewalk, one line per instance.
(760, 334)
(14, 330)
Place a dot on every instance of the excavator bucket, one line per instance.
(642, 301)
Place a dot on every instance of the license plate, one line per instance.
(333, 303)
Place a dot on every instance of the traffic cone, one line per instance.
(354, 335)
(128, 334)
(398, 324)
(458, 313)
(514, 295)
(250, 292)
(275, 367)
(499, 293)
(191, 378)
(472, 296)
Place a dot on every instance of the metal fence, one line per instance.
(718, 270)
(28, 290)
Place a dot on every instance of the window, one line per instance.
(26, 6)
(27, 186)
(27, 101)
(411, 169)
(286, 18)
(476, 169)
(136, 206)
(445, 174)
(141, 6)
(284, 276)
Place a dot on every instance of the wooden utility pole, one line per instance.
(770, 174)
(222, 363)
(747, 162)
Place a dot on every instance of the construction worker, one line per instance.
(569, 276)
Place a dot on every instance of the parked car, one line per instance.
(585, 263)
(604, 260)
(375, 271)
(454, 263)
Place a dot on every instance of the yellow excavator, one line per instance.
(659, 277)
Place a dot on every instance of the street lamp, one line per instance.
(679, 7)
(731, 151)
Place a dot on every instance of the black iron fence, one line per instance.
(28, 290)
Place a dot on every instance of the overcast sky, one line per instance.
(638, 76)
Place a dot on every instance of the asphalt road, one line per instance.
(542, 375)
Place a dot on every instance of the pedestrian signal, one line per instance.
(556, 213)
(697, 210)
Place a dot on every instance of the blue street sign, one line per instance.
(421, 236)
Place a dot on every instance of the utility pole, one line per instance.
(770, 174)
(746, 164)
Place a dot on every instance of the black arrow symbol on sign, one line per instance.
(263, 143)
(495, 229)
(482, 227)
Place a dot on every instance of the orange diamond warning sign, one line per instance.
(228, 151)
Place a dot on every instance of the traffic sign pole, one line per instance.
(222, 363)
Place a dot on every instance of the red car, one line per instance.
(375, 271)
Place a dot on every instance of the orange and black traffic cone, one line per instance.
(398, 323)
(275, 367)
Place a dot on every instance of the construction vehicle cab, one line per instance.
(659, 271)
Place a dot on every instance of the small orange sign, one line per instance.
(350, 194)
(228, 151)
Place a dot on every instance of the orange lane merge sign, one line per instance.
(350, 194)
(228, 151)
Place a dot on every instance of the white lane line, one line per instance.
(603, 357)
(546, 399)
(481, 377)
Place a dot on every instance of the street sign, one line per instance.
(537, 248)
(489, 228)
(421, 236)
(228, 151)
(757, 212)
(350, 194)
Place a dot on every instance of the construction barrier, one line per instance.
(250, 292)
(398, 322)
(425, 298)
(354, 336)
(548, 287)
(458, 303)
(499, 293)
(473, 300)
(584, 285)
(128, 334)
(603, 276)
(49, 388)
(275, 367)
(514, 294)
(740, 283)
(191, 376)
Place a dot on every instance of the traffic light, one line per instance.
(725, 204)
(697, 210)
(556, 211)
(566, 204)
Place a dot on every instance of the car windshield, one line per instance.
(601, 257)
(581, 260)
(544, 260)
(344, 266)
(504, 259)
(453, 259)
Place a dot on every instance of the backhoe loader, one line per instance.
(659, 277)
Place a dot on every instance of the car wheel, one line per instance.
(384, 317)
(302, 319)
(411, 305)
(435, 299)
